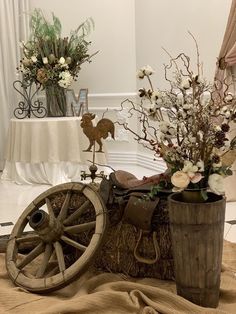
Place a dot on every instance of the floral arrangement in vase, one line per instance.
(189, 126)
(53, 61)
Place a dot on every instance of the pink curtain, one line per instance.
(227, 56)
(227, 59)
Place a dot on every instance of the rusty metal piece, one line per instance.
(96, 133)
(139, 211)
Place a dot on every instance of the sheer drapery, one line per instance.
(13, 29)
(226, 69)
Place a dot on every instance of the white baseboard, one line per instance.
(136, 159)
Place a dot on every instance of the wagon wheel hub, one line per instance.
(48, 228)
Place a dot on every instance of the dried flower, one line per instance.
(45, 60)
(42, 76)
(47, 54)
(34, 59)
(187, 125)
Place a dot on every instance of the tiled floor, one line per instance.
(15, 198)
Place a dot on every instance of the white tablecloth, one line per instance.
(47, 151)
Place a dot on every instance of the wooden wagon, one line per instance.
(76, 225)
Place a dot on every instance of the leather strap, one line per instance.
(143, 259)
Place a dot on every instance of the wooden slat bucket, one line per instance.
(197, 237)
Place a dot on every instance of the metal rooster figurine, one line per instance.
(96, 133)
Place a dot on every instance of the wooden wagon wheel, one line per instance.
(56, 228)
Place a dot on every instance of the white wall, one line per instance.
(165, 23)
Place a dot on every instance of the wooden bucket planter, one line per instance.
(197, 241)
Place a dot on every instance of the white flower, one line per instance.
(217, 165)
(172, 130)
(180, 179)
(187, 106)
(66, 79)
(192, 139)
(200, 165)
(216, 184)
(34, 59)
(45, 60)
(151, 110)
(187, 166)
(62, 60)
(164, 126)
(155, 95)
(145, 71)
(229, 97)
(148, 70)
(26, 62)
(227, 114)
(217, 128)
(140, 74)
(186, 83)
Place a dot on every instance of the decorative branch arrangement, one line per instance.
(188, 125)
(48, 58)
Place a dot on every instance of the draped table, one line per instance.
(47, 151)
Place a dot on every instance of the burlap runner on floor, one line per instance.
(112, 294)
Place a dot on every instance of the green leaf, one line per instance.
(204, 194)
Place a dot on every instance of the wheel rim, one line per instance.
(48, 276)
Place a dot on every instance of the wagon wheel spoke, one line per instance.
(60, 256)
(81, 227)
(73, 243)
(77, 213)
(63, 213)
(31, 256)
(28, 238)
(50, 209)
(44, 263)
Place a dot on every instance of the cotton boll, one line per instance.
(140, 74)
(34, 59)
(147, 70)
(62, 60)
(186, 84)
(200, 165)
(45, 60)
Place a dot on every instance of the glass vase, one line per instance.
(56, 100)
